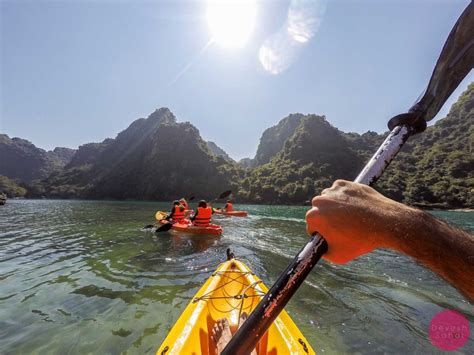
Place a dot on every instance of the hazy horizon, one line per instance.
(74, 73)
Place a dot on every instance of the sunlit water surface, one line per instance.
(81, 277)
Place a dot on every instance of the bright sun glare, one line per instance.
(231, 21)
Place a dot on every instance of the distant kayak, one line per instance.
(230, 291)
(232, 213)
(186, 226)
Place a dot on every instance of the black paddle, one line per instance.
(165, 227)
(224, 194)
(455, 62)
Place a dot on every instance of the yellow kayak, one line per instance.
(230, 291)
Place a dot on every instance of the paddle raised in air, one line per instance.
(224, 195)
(455, 62)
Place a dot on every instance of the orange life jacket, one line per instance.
(178, 213)
(203, 217)
(229, 207)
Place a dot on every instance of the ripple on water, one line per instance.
(80, 276)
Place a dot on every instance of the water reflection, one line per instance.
(81, 277)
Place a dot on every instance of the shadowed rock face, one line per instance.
(22, 160)
(154, 158)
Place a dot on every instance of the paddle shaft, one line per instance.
(454, 63)
(249, 334)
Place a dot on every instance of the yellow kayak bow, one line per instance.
(230, 291)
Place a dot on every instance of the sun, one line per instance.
(231, 22)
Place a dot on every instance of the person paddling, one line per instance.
(203, 214)
(177, 213)
(228, 206)
(355, 220)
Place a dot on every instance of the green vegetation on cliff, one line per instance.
(315, 154)
(436, 167)
(160, 158)
(11, 188)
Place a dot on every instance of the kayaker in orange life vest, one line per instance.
(228, 207)
(203, 214)
(177, 212)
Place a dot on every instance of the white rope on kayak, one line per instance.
(240, 296)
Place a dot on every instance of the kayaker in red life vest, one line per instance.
(203, 214)
(177, 212)
(228, 207)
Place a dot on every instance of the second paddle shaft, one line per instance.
(248, 335)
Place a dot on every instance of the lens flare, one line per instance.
(304, 18)
(278, 52)
(280, 49)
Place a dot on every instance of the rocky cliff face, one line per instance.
(304, 154)
(159, 158)
(154, 158)
(22, 160)
(274, 138)
(218, 151)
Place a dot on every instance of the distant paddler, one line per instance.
(228, 210)
(177, 213)
(228, 206)
(3, 199)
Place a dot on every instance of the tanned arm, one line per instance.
(355, 219)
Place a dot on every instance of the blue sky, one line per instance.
(74, 72)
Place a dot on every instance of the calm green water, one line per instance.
(81, 277)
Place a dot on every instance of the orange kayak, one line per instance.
(232, 213)
(187, 227)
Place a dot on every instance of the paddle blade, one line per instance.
(224, 194)
(148, 226)
(164, 228)
(191, 198)
(455, 62)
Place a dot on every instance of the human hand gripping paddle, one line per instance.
(455, 62)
